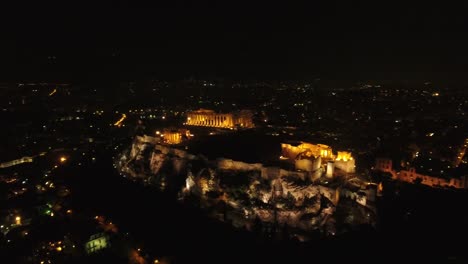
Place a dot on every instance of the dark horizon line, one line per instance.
(250, 79)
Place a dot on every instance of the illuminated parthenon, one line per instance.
(210, 118)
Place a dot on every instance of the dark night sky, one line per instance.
(262, 40)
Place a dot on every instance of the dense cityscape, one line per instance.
(195, 133)
(277, 178)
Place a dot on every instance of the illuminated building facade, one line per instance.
(343, 160)
(174, 136)
(384, 165)
(306, 150)
(97, 242)
(411, 176)
(209, 118)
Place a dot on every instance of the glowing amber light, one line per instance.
(63, 159)
(59, 249)
(119, 122)
(53, 92)
(18, 220)
(380, 187)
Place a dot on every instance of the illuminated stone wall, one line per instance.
(270, 172)
(156, 162)
(276, 172)
(344, 156)
(347, 166)
(140, 143)
(330, 172)
(210, 118)
(229, 164)
(307, 151)
(175, 136)
(174, 152)
(309, 165)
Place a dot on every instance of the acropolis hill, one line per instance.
(258, 178)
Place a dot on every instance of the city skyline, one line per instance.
(189, 132)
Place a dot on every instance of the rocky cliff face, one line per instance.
(233, 191)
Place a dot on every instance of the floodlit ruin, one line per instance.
(309, 157)
(209, 118)
(244, 194)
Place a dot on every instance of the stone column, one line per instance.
(228, 121)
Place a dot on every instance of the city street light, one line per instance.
(18, 220)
